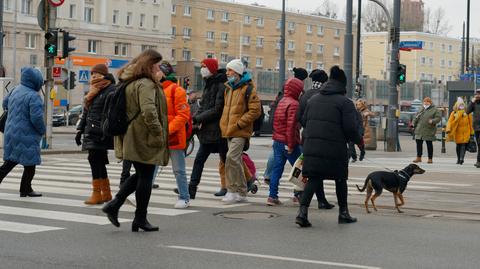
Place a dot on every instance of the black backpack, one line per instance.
(115, 111)
(257, 124)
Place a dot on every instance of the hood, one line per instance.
(293, 88)
(220, 76)
(31, 78)
(333, 87)
(361, 105)
(110, 77)
(246, 77)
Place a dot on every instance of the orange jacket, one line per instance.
(178, 115)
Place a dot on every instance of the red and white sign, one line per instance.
(56, 3)
(56, 72)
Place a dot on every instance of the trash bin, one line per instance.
(372, 145)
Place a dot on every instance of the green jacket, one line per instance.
(146, 140)
(423, 129)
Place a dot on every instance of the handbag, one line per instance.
(3, 121)
(472, 145)
(296, 176)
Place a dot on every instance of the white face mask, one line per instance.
(426, 106)
(205, 72)
(461, 107)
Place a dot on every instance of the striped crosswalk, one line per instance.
(65, 184)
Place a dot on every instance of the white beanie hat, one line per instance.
(460, 100)
(237, 66)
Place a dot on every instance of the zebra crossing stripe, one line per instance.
(23, 228)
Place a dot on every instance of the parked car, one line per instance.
(405, 122)
(59, 117)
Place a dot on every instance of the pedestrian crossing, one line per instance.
(66, 183)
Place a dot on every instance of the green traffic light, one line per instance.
(51, 49)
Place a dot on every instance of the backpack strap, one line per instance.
(248, 92)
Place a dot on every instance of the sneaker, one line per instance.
(230, 197)
(477, 165)
(241, 199)
(221, 192)
(267, 181)
(182, 204)
(354, 160)
(273, 201)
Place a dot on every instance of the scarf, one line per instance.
(96, 86)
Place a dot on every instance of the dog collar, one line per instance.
(404, 176)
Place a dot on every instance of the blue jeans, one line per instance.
(269, 168)
(177, 156)
(281, 156)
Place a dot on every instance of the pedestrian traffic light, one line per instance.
(186, 82)
(51, 43)
(66, 49)
(401, 73)
(69, 84)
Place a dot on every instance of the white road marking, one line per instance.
(23, 228)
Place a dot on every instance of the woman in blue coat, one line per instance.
(24, 129)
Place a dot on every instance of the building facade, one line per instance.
(412, 16)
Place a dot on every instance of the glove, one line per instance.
(78, 138)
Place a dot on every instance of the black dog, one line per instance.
(395, 182)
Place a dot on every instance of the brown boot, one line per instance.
(96, 197)
(418, 160)
(105, 190)
(430, 161)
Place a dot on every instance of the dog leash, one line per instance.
(379, 165)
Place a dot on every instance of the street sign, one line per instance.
(469, 77)
(83, 76)
(56, 72)
(56, 3)
(411, 45)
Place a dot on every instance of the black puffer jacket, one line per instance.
(211, 108)
(475, 108)
(92, 121)
(331, 121)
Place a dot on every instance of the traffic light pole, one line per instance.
(392, 120)
(50, 18)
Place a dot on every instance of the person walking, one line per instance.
(236, 125)
(474, 107)
(364, 115)
(145, 143)
(208, 118)
(94, 141)
(23, 129)
(286, 135)
(460, 129)
(178, 116)
(425, 127)
(330, 123)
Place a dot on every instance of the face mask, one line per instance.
(426, 106)
(462, 107)
(232, 79)
(205, 72)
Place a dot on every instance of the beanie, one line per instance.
(300, 73)
(427, 100)
(237, 66)
(337, 74)
(319, 76)
(166, 68)
(100, 68)
(212, 65)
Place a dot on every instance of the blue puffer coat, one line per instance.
(25, 125)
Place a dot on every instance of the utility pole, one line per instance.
(282, 46)
(2, 68)
(462, 67)
(359, 36)
(348, 45)
(468, 35)
(392, 121)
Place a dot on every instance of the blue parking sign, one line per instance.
(83, 76)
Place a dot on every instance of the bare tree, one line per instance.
(374, 18)
(328, 9)
(436, 22)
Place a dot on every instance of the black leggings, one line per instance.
(28, 174)
(314, 184)
(202, 155)
(461, 149)
(477, 137)
(98, 160)
(420, 148)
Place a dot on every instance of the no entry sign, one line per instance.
(56, 3)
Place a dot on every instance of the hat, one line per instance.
(237, 66)
(336, 73)
(166, 68)
(427, 100)
(212, 65)
(318, 76)
(300, 73)
(100, 68)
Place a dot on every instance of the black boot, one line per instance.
(302, 217)
(144, 225)
(221, 192)
(462, 154)
(477, 165)
(344, 216)
(192, 190)
(325, 205)
(362, 155)
(111, 209)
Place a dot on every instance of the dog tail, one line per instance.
(364, 186)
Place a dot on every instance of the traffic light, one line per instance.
(186, 83)
(71, 85)
(51, 43)
(66, 49)
(401, 73)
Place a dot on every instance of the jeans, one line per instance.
(420, 148)
(281, 156)
(269, 168)
(202, 155)
(27, 176)
(178, 165)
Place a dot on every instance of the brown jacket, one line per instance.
(366, 114)
(238, 117)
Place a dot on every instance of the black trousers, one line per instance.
(461, 149)
(141, 184)
(202, 156)
(98, 160)
(28, 174)
(314, 184)
(126, 167)
(353, 152)
(477, 137)
(420, 148)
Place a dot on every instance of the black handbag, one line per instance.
(472, 145)
(3, 121)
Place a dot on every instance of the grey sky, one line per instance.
(456, 10)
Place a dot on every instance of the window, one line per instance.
(187, 55)
(443, 78)
(246, 40)
(210, 36)
(337, 32)
(247, 19)
(72, 11)
(423, 60)
(30, 41)
(211, 14)
(187, 32)
(92, 46)
(116, 14)
(291, 45)
(147, 47)
(210, 55)
(320, 30)
(422, 76)
(309, 66)
(291, 26)
(260, 41)
(223, 57)
(121, 49)
(308, 47)
(442, 63)
(320, 65)
(279, 24)
(246, 59)
(321, 48)
(7, 5)
(277, 46)
(431, 61)
(224, 37)
(259, 62)
(33, 59)
(260, 22)
(225, 16)
(174, 54)
(129, 18)
(187, 11)
(142, 21)
(174, 31)
(450, 48)
(449, 78)
(309, 28)
(450, 63)
(336, 52)
(174, 9)
(155, 22)
(88, 15)
(27, 6)
(290, 65)
(431, 45)
(430, 77)
(443, 47)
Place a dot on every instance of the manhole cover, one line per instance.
(247, 215)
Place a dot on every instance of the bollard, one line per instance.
(443, 141)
